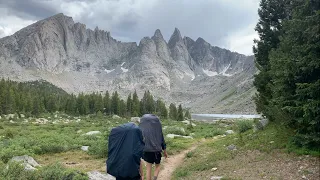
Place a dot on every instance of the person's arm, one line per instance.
(164, 147)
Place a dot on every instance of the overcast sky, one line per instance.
(224, 23)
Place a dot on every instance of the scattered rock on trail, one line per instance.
(216, 177)
(135, 119)
(176, 135)
(28, 162)
(92, 133)
(116, 117)
(232, 147)
(229, 132)
(84, 148)
(96, 175)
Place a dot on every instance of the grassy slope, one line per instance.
(261, 154)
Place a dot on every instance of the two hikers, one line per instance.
(129, 143)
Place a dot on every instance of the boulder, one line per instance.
(232, 147)
(22, 116)
(85, 148)
(135, 119)
(10, 116)
(28, 162)
(116, 117)
(92, 133)
(261, 124)
(96, 175)
(229, 132)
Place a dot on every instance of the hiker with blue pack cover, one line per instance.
(154, 143)
(125, 150)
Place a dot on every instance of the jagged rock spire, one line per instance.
(158, 34)
(175, 37)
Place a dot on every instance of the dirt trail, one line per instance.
(172, 162)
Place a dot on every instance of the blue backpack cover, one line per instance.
(125, 148)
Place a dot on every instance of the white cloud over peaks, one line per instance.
(10, 24)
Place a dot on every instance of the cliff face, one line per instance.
(83, 60)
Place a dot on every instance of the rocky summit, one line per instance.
(202, 77)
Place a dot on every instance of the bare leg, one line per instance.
(149, 168)
(157, 170)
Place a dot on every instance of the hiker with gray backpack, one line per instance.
(151, 128)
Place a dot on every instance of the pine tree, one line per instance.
(163, 110)
(295, 69)
(129, 105)
(173, 113)
(122, 108)
(106, 103)
(135, 104)
(150, 104)
(99, 103)
(36, 106)
(180, 113)
(187, 114)
(115, 103)
(269, 28)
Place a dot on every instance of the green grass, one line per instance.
(206, 156)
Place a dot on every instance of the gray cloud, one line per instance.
(217, 21)
(29, 9)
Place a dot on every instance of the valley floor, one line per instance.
(215, 151)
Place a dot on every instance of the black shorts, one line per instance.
(135, 178)
(152, 157)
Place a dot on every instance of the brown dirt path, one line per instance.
(172, 162)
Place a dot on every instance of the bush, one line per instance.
(244, 125)
(9, 133)
(99, 147)
(214, 132)
(7, 153)
(175, 130)
(58, 172)
(16, 171)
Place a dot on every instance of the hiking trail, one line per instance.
(172, 162)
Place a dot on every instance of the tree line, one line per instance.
(34, 98)
(287, 55)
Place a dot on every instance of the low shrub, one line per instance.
(10, 151)
(58, 172)
(244, 125)
(15, 171)
(99, 147)
(175, 130)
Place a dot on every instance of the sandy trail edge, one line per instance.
(172, 162)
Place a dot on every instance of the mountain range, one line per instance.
(202, 77)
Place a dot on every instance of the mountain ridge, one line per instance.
(78, 59)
